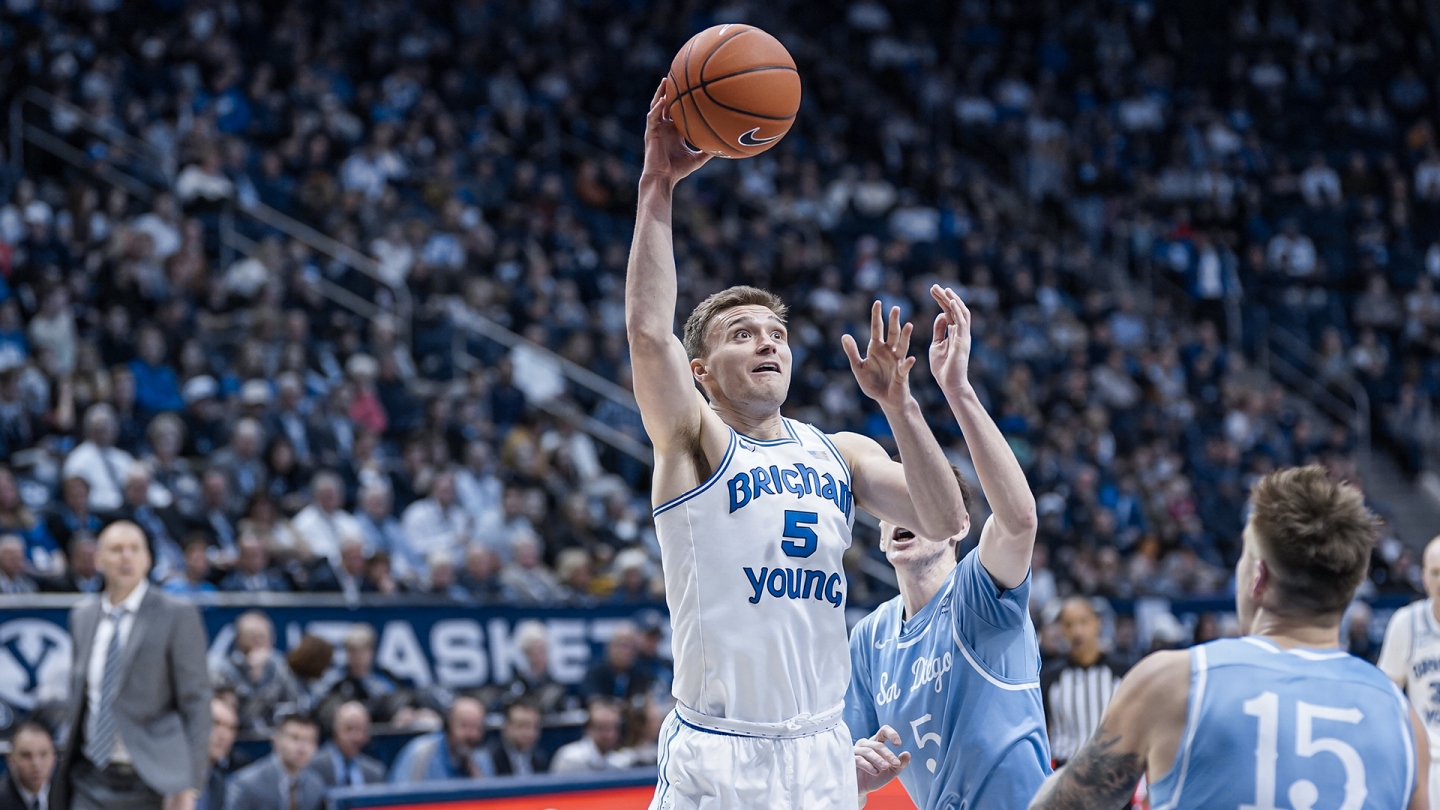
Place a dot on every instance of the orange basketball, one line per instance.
(733, 91)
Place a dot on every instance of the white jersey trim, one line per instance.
(975, 665)
(1192, 720)
(709, 482)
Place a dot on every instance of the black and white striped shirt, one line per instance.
(1075, 700)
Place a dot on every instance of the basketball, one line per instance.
(732, 91)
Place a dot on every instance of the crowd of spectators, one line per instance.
(1276, 163)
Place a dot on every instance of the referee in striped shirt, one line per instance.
(1078, 687)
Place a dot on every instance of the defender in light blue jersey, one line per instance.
(949, 670)
(1281, 718)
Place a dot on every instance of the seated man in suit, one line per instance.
(595, 751)
(30, 762)
(253, 572)
(257, 673)
(283, 780)
(340, 763)
(224, 724)
(517, 752)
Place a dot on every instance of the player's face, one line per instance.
(1431, 570)
(749, 358)
(902, 548)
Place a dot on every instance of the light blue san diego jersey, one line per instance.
(1301, 729)
(960, 682)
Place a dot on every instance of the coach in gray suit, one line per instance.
(283, 780)
(139, 692)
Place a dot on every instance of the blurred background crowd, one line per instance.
(1130, 196)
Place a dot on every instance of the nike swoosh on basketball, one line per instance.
(749, 139)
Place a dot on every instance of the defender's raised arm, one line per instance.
(669, 403)
(919, 492)
(1008, 538)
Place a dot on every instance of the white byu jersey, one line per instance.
(754, 581)
(1411, 656)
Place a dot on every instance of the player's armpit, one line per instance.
(670, 406)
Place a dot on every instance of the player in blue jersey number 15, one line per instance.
(949, 669)
(1282, 717)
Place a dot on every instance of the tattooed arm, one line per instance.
(1139, 733)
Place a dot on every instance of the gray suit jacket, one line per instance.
(162, 710)
(371, 769)
(257, 787)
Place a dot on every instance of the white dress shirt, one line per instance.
(96, 671)
(35, 801)
(323, 531)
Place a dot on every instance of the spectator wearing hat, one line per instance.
(324, 523)
(204, 416)
(632, 587)
(98, 461)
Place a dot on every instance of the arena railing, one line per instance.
(144, 170)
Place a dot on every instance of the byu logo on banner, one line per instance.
(34, 661)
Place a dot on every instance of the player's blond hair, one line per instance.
(697, 326)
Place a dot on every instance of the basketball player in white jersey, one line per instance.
(753, 513)
(1411, 657)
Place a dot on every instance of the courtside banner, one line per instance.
(448, 644)
(623, 790)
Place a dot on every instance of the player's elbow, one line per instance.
(645, 333)
(945, 525)
(1026, 521)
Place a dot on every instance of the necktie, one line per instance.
(295, 793)
(102, 739)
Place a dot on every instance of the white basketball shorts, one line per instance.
(714, 764)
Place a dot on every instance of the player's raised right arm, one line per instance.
(669, 403)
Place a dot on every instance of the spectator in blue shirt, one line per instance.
(452, 753)
(156, 387)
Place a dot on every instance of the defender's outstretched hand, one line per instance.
(875, 763)
(884, 371)
(950, 346)
(665, 153)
